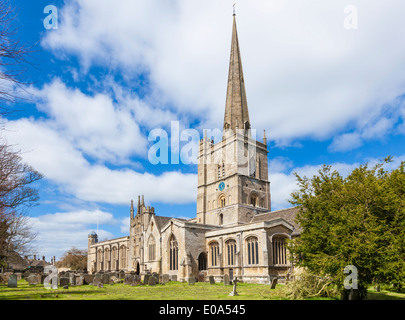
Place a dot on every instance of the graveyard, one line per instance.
(126, 286)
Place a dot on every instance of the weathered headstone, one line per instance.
(164, 278)
(121, 274)
(212, 280)
(64, 281)
(34, 279)
(97, 280)
(106, 278)
(201, 277)
(129, 279)
(136, 280)
(273, 283)
(146, 279)
(226, 280)
(191, 279)
(88, 278)
(12, 281)
(173, 277)
(79, 280)
(152, 281)
(72, 279)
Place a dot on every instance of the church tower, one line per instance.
(233, 181)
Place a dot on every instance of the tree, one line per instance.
(16, 195)
(74, 258)
(354, 221)
(16, 178)
(13, 55)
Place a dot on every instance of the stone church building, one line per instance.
(234, 231)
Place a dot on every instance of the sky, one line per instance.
(324, 79)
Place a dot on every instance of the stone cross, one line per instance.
(234, 293)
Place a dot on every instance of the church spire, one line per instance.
(236, 108)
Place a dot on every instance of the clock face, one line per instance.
(221, 186)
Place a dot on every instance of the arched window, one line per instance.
(221, 219)
(174, 253)
(252, 250)
(152, 248)
(202, 261)
(123, 257)
(214, 250)
(107, 262)
(231, 252)
(222, 201)
(279, 251)
(100, 259)
(114, 258)
(253, 200)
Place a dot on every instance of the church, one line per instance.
(234, 231)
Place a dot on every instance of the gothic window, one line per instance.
(279, 251)
(174, 253)
(253, 200)
(114, 257)
(222, 201)
(107, 259)
(152, 249)
(231, 252)
(214, 250)
(202, 261)
(221, 219)
(100, 259)
(123, 257)
(252, 250)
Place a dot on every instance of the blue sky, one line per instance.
(113, 71)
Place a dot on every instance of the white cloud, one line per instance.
(306, 75)
(50, 152)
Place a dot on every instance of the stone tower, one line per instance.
(233, 181)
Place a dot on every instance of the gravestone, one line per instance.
(164, 278)
(79, 280)
(26, 274)
(136, 281)
(191, 279)
(12, 281)
(152, 281)
(88, 278)
(201, 277)
(72, 279)
(128, 279)
(226, 280)
(106, 278)
(234, 293)
(64, 281)
(34, 279)
(100, 285)
(146, 279)
(273, 283)
(121, 274)
(212, 280)
(173, 277)
(97, 280)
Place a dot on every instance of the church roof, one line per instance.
(286, 214)
(236, 108)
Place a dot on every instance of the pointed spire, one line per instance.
(132, 209)
(236, 108)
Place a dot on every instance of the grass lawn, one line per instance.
(169, 291)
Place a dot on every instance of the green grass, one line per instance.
(169, 291)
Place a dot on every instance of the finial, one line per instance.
(234, 9)
(264, 137)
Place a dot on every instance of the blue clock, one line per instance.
(221, 186)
